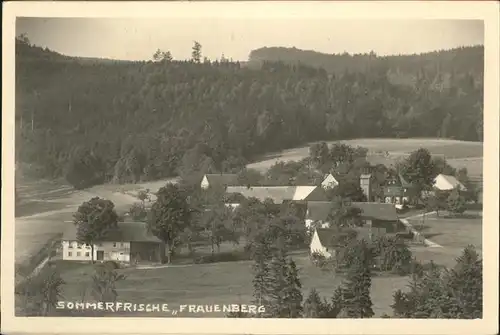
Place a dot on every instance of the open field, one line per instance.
(220, 283)
(457, 232)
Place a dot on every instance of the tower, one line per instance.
(366, 185)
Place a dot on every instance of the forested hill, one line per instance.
(130, 121)
(436, 68)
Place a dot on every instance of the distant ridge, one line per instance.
(401, 69)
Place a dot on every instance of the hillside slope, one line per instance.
(438, 70)
(134, 121)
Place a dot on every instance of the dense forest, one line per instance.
(98, 121)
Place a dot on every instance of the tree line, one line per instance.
(111, 121)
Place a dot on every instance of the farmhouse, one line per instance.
(223, 180)
(129, 242)
(374, 214)
(329, 182)
(398, 191)
(444, 182)
(326, 241)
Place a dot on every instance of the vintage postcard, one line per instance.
(226, 167)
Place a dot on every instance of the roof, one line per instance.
(279, 193)
(125, 232)
(222, 179)
(330, 237)
(377, 211)
(450, 182)
(318, 210)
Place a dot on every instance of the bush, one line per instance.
(138, 212)
(230, 256)
(112, 264)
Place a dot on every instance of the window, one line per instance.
(79, 246)
(87, 254)
(78, 254)
(70, 245)
(70, 254)
(114, 244)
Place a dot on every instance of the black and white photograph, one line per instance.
(245, 166)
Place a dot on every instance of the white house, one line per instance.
(322, 242)
(127, 242)
(218, 180)
(329, 182)
(447, 183)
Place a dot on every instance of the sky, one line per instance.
(138, 39)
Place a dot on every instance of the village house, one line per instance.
(329, 182)
(129, 242)
(398, 192)
(375, 215)
(326, 241)
(444, 182)
(219, 180)
(278, 194)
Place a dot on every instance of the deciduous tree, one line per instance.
(169, 216)
(93, 220)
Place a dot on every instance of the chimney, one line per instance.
(366, 185)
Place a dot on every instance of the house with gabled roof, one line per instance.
(219, 180)
(399, 191)
(374, 214)
(326, 241)
(329, 182)
(128, 242)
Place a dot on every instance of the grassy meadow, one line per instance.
(217, 283)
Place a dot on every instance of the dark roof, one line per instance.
(222, 179)
(328, 237)
(125, 232)
(377, 211)
(318, 194)
(331, 237)
(318, 210)
(277, 194)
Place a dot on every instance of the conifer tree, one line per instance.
(355, 291)
(313, 306)
(293, 292)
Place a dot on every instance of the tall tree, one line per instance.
(456, 202)
(465, 281)
(419, 169)
(93, 220)
(196, 53)
(292, 299)
(343, 215)
(169, 215)
(355, 291)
